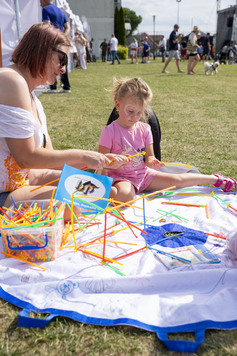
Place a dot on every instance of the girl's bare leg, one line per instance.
(123, 191)
(166, 180)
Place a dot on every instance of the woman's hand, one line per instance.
(96, 160)
(116, 161)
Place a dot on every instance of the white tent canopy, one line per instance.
(17, 16)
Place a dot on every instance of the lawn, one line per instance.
(197, 115)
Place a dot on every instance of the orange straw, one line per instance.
(129, 254)
(43, 185)
(21, 259)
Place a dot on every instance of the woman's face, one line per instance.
(56, 65)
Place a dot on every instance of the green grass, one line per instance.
(197, 115)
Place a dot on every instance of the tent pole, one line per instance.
(18, 22)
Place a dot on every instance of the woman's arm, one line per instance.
(27, 155)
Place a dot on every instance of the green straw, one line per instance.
(115, 269)
(87, 202)
(216, 196)
(170, 213)
(69, 207)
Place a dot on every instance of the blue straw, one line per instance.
(170, 255)
(14, 203)
(169, 237)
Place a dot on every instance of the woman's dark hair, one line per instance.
(35, 47)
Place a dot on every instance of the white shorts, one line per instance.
(174, 54)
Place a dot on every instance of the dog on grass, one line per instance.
(211, 67)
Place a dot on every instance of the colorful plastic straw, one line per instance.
(176, 164)
(130, 253)
(183, 204)
(170, 255)
(147, 195)
(21, 259)
(170, 213)
(169, 237)
(43, 185)
(72, 223)
(115, 269)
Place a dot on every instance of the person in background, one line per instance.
(192, 50)
(206, 45)
(183, 48)
(145, 51)
(114, 48)
(104, 49)
(91, 49)
(52, 14)
(81, 42)
(162, 48)
(109, 52)
(133, 50)
(173, 50)
(148, 42)
(27, 157)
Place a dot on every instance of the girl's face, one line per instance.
(130, 111)
(56, 64)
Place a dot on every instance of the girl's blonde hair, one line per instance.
(133, 87)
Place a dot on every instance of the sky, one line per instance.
(168, 12)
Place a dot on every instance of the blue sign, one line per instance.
(88, 187)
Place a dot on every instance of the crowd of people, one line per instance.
(193, 47)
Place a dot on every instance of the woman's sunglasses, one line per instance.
(63, 60)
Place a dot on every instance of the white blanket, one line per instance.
(192, 297)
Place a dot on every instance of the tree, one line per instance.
(119, 26)
(116, 21)
(132, 18)
(122, 39)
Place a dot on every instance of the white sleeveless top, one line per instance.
(18, 123)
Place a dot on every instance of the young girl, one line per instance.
(129, 135)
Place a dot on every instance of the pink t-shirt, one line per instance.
(127, 142)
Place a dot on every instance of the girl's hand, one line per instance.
(154, 163)
(116, 161)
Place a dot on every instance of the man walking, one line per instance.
(173, 50)
(114, 48)
(52, 14)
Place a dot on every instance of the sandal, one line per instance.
(229, 182)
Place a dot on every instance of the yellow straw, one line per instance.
(73, 232)
(124, 228)
(138, 154)
(148, 195)
(196, 195)
(120, 242)
(177, 164)
(21, 259)
(115, 201)
(207, 212)
(99, 255)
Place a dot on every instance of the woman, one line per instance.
(27, 158)
(192, 50)
(81, 43)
